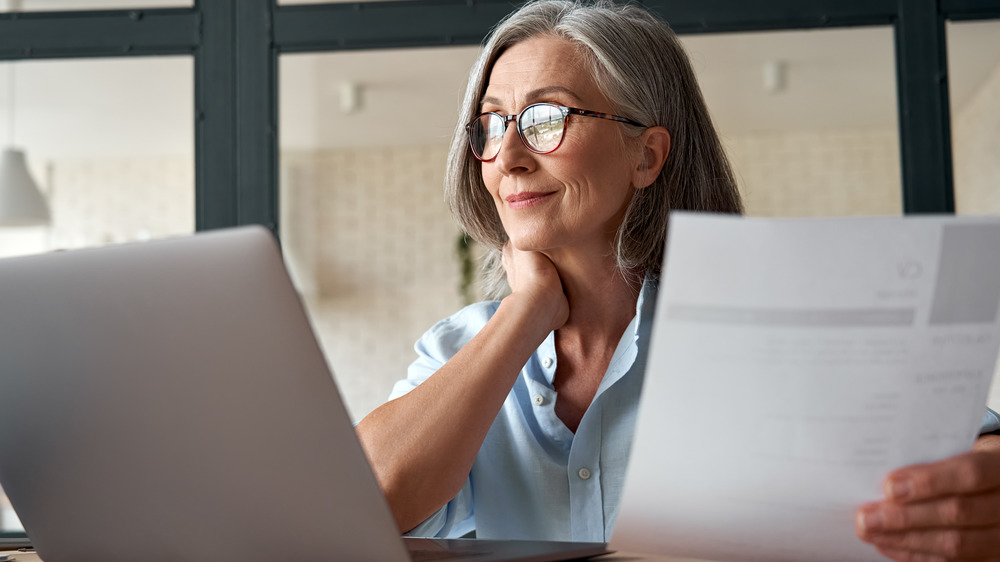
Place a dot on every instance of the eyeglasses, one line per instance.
(541, 127)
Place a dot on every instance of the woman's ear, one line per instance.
(655, 143)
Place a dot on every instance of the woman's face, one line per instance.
(572, 199)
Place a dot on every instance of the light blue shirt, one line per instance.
(533, 478)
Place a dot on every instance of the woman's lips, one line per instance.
(526, 199)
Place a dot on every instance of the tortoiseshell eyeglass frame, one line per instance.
(564, 110)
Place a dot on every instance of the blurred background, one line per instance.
(809, 119)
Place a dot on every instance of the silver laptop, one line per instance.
(167, 400)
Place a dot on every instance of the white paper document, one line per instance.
(793, 364)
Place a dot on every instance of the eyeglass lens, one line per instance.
(540, 127)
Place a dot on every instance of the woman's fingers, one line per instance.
(945, 510)
(945, 544)
(533, 275)
(954, 511)
(975, 471)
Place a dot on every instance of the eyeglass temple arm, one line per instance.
(587, 113)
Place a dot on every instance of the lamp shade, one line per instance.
(21, 202)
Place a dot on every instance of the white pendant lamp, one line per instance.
(21, 202)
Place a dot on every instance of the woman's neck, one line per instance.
(602, 300)
(602, 303)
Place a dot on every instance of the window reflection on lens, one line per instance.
(490, 129)
(477, 134)
(542, 127)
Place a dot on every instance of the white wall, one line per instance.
(976, 149)
(373, 242)
(839, 173)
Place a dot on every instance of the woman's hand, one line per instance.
(533, 276)
(422, 446)
(946, 510)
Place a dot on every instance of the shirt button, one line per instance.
(539, 400)
(547, 362)
(584, 474)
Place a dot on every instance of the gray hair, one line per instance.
(641, 67)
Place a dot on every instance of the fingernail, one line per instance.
(899, 489)
(870, 520)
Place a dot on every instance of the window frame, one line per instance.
(236, 45)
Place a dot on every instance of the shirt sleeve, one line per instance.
(991, 422)
(434, 349)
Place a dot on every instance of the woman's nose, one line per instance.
(514, 156)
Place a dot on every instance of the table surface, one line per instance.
(16, 556)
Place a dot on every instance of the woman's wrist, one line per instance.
(535, 314)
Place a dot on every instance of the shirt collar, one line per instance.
(626, 352)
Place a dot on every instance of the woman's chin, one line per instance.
(529, 245)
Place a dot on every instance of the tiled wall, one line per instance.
(818, 174)
(107, 201)
(373, 244)
(113, 200)
(976, 149)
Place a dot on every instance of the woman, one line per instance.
(582, 126)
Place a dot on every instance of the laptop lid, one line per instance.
(168, 400)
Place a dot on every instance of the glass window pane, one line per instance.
(367, 235)
(808, 118)
(8, 519)
(76, 5)
(974, 90)
(110, 144)
(974, 74)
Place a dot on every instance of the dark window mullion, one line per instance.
(728, 16)
(97, 33)
(323, 27)
(256, 135)
(216, 197)
(961, 10)
(379, 25)
(924, 120)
